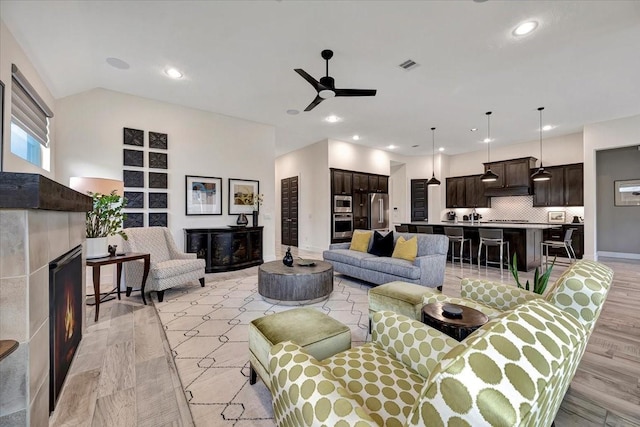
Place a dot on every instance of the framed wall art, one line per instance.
(203, 195)
(241, 194)
(627, 192)
(556, 217)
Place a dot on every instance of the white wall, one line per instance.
(353, 157)
(90, 128)
(12, 53)
(310, 164)
(602, 136)
(399, 193)
(422, 168)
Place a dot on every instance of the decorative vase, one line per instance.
(97, 247)
(288, 258)
(255, 218)
(242, 220)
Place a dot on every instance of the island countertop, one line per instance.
(487, 224)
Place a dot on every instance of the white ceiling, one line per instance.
(582, 63)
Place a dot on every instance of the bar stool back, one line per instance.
(492, 237)
(456, 235)
(426, 229)
(564, 244)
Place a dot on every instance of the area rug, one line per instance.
(207, 330)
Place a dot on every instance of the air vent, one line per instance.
(409, 64)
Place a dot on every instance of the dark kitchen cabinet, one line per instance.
(466, 192)
(514, 177)
(360, 182)
(225, 249)
(565, 188)
(456, 192)
(378, 184)
(557, 234)
(342, 181)
(361, 211)
(419, 202)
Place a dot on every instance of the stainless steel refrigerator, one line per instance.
(379, 211)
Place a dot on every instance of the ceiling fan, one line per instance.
(326, 86)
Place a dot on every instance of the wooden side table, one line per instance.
(96, 263)
(456, 327)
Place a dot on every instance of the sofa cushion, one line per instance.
(360, 240)
(346, 256)
(396, 266)
(406, 249)
(383, 386)
(175, 267)
(382, 244)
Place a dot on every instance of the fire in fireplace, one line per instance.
(65, 317)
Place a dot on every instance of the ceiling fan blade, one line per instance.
(355, 92)
(315, 102)
(313, 82)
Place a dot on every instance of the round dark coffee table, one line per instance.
(296, 285)
(458, 327)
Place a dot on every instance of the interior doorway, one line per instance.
(289, 209)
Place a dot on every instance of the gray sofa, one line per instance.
(426, 270)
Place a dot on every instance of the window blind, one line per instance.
(28, 110)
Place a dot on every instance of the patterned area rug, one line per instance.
(207, 330)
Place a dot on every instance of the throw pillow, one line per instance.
(406, 249)
(382, 244)
(360, 240)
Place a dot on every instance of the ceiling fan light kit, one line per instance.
(541, 174)
(489, 176)
(326, 86)
(433, 181)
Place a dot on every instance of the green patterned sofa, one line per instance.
(514, 370)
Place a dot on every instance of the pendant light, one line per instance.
(541, 174)
(433, 181)
(488, 176)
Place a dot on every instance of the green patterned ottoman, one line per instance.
(320, 335)
(400, 297)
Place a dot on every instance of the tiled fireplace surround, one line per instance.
(29, 240)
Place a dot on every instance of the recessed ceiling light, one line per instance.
(356, 137)
(487, 140)
(332, 119)
(441, 149)
(391, 147)
(173, 73)
(525, 28)
(292, 112)
(547, 127)
(473, 129)
(118, 63)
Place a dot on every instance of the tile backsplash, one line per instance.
(517, 208)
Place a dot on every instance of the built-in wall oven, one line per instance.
(342, 225)
(342, 204)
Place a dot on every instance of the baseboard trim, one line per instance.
(618, 255)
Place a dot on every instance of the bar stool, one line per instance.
(456, 235)
(402, 228)
(558, 244)
(426, 229)
(491, 237)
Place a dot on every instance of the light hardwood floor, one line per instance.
(124, 373)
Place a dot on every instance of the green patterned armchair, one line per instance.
(512, 371)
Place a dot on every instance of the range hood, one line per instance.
(521, 190)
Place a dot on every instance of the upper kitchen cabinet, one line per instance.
(378, 184)
(342, 182)
(466, 192)
(456, 192)
(513, 177)
(565, 188)
(360, 182)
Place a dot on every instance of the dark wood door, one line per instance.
(418, 199)
(289, 209)
(360, 182)
(574, 185)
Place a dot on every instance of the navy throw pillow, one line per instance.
(382, 245)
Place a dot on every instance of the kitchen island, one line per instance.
(524, 238)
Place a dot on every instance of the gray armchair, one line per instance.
(169, 267)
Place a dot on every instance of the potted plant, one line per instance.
(539, 281)
(256, 202)
(104, 220)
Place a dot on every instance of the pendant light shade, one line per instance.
(541, 174)
(433, 181)
(489, 176)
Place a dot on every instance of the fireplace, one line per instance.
(65, 317)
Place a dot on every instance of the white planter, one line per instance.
(97, 247)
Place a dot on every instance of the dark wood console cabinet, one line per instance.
(225, 249)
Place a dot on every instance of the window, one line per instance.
(29, 122)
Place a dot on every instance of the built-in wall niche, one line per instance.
(145, 172)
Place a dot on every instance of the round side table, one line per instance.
(458, 327)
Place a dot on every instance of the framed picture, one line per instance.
(241, 194)
(627, 193)
(557, 217)
(203, 195)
